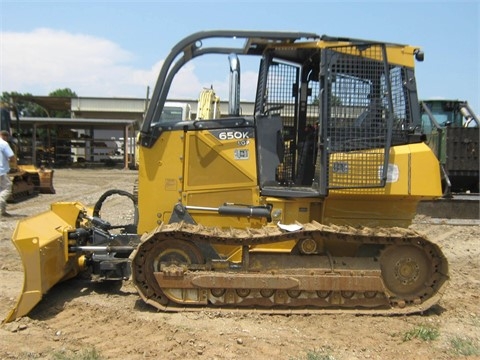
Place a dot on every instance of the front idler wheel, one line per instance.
(406, 270)
(167, 252)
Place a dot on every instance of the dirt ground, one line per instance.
(78, 316)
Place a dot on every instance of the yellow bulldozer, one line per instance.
(303, 207)
(27, 179)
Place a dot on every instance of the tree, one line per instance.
(23, 107)
(66, 92)
(15, 101)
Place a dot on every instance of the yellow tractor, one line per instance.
(27, 179)
(303, 207)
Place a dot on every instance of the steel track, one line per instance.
(412, 266)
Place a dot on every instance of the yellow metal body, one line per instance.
(42, 244)
(415, 176)
(201, 171)
(196, 169)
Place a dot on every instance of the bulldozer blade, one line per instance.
(42, 243)
(46, 181)
(41, 177)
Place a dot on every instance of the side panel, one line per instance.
(221, 169)
(425, 173)
(160, 179)
(202, 168)
(217, 159)
(413, 175)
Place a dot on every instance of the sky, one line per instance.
(116, 48)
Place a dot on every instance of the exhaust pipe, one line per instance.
(234, 93)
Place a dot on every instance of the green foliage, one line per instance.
(28, 108)
(422, 332)
(66, 92)
(23, 107)
(321, 354)
(464, 346)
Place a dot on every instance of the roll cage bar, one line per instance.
(192, 47)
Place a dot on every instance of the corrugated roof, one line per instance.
(75, 121)
(108, 105)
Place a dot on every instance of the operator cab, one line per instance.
(319, 109)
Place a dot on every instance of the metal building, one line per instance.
(99, 132)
